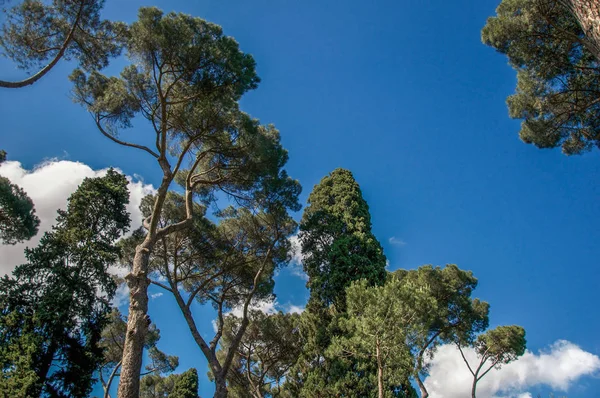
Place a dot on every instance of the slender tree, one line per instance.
(112, 341)
(495, 348)
(380, 322)
(558, 69)
(54, 307)
(454, 317)
(18, 221)
(38, 34)
(185, 79)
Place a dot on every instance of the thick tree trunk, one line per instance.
(588, 15)
(221, 391)
(137, 323)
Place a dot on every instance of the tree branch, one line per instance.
(59, 55)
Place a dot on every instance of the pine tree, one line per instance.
(53, 308)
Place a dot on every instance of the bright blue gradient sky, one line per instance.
(404, 95)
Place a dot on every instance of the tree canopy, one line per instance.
(38, 34)
(495, 348)
(18, 221)
(185, 79)
(558, 73)
(54, 307)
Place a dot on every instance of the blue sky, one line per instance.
(404, 95)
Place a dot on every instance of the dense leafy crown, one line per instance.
(55, 306)
(337, 243)
(18, 221)
(558, 74)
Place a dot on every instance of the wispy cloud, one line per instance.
(396, 241)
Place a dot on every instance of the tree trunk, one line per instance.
(379, 371)
(424, 393)
(137, 323)
(213, 363)
(587, 13)
(45, 362)
(221, 390)
(474, 387)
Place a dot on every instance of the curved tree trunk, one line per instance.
(137, 323)
(32, 79)
(424, 393)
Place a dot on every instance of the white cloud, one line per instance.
(269, 307)
(156, 295)
(295, 265)
(561, 365)
(396, 241)
(49, 185)
(293, 309)
(121, 298)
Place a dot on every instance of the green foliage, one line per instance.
(337, 243)
(338, 248)
(184, 385)
(185, 79)
(18, 221)
(454, 317)
(558, 74)
(54, 307)
(228, 261)
(495, 348)
(501, 345)
(378, 326)
(267, 350)
(37, 33)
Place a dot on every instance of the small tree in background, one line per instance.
(184, 385)
(495, 348)
(266, 352)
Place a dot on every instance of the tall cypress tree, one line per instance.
(338, 247)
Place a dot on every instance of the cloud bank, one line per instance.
(558, 367)
(49, 185)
